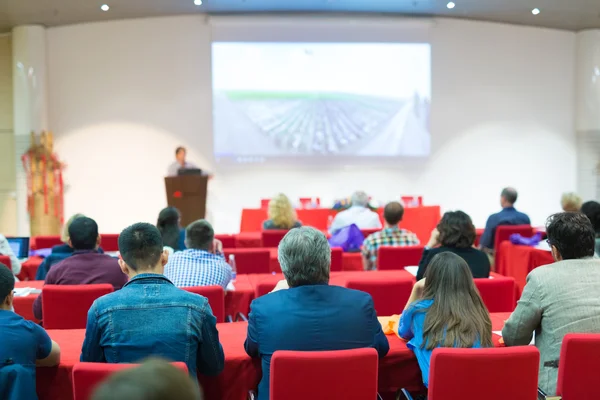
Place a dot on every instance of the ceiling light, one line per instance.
(104, 7)
(535, 11)
(198, 2)
(451, 5)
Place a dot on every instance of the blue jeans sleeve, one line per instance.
(92, 350)
(210, 359)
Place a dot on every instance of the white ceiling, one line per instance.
(562, 14)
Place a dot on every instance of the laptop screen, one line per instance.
(19, 246)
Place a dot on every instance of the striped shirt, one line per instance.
(387, 237)
(194, 267)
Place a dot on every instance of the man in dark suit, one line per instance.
(310, 315)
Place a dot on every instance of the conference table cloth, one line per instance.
(518, 261)
(399, 369)
(420, 220)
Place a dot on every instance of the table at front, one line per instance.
(399, 369)
(518, 261)
(420, 220)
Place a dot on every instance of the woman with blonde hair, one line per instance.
(281, 214)
(570, 202)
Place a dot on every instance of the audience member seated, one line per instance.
(455, 233)
(570, 202)
(310, 315)
(155, 379)
(64, 237)
(591, 209)
(86, 265)
(203, 263)
(508, 216)
(172, 233)
(150, 316)
(444, 310)
(6, 250)
(23, 346)
(559, 298)
(281, 214)
(358, 213)
(391, 235)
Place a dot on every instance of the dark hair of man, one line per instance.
(572, 234)
(140, 246)
(456, 230)
(83, 233)
(180, 148)
(591, 209)
(168, 225)
(510, 195)
(393, 213)
(153, 380)
(457, 317)
(199, 235)
(7, 282)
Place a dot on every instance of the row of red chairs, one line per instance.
(108, 242)
(491, 374)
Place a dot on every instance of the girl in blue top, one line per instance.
(444, 310)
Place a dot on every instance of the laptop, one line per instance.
(19, 246)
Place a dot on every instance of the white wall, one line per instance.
(124, 94)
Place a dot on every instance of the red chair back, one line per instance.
(503, 233)
(251, 261)
(490, 374)
(264, 287)
(337, 259)
(227, 240)
(271, 238)
(109, 241)
(498, 294)
(324, 375)
(87, 376)
(398, 257)
(389, 294)
(310, 202)
(6, 261)
(215, 296)
(578, 367)
(264, 203)
(45, 242)
(67, 306)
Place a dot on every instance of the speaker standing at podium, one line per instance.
(180, 162)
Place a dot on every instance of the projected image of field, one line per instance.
(282, 99)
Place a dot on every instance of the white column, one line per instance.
(587, 112)
(30, 102)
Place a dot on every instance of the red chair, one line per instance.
(389, 294)
(503, 233)
(310, 202)
(109, 241)
(271, 238)
(398, 257)
(216, 299)
(45, 242)
(578, 367)
(490, 374)
(251, 261)
(264, 203)
(67, 306)
(87, 376)
(337, 259)
(324, 375)
(227, 240)
(6, 261)
(264, 287)
(498, 294)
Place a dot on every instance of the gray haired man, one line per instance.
(310, 314)
(358, 213)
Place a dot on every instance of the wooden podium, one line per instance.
(187, 193)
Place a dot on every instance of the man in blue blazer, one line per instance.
(310, 315)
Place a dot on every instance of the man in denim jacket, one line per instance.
(149, 316)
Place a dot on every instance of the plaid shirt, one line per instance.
(387, 237)
(193, 267)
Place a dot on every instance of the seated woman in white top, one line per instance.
(358, 214)
(5, 250)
